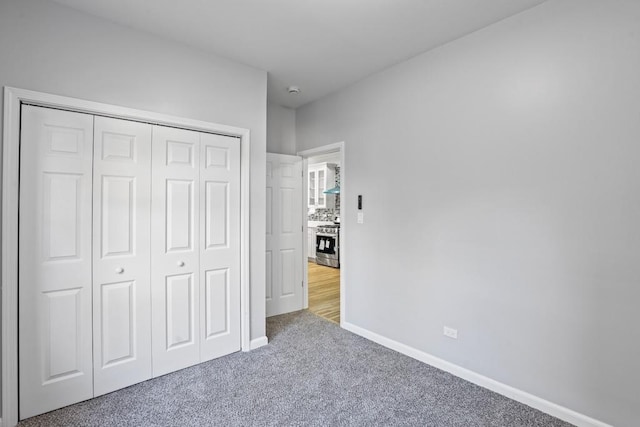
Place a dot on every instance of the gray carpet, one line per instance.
(311, 374)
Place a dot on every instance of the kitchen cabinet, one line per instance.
(311, 243)
(321, 177)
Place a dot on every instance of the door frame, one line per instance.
(13, 100)
(325, 149)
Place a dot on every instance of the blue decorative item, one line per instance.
(334, 190)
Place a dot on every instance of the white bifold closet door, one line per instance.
(121, 254)
(54, 320)
(219, 246)
(195, 247)
(85, 312)
(175, 254)
(129, 254)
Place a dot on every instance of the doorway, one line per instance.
(324, 291)
(325, 230)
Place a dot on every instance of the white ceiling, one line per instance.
(319, 45)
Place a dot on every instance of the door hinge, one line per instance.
(302, 284)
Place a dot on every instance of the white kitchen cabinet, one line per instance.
(311, 244)
(321, 177)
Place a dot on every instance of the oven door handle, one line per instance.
(326, 235)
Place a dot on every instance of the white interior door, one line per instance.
(175, 242)
(54, 342)
(121, 254)
(284, 239)
(219, 245)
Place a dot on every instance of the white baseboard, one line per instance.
(258, 342)
(538, 403)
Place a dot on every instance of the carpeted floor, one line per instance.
(311, 374)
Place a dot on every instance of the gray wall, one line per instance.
(502, 197)
(50, 48)
(281, 129)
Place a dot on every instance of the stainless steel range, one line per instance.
(328, 245)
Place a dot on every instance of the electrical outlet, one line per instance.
(450, 332)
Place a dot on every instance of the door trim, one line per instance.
(325, 149)
(13, 99)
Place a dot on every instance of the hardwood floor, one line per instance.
(324, 291)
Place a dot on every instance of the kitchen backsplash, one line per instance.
(327, 214)
(323, 214)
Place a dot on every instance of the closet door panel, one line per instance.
(54, 260)
(121, 252)
(179, 310)
(220, 245)
(179, 215)
(175, 256)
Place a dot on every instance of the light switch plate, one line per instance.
(360, 217)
